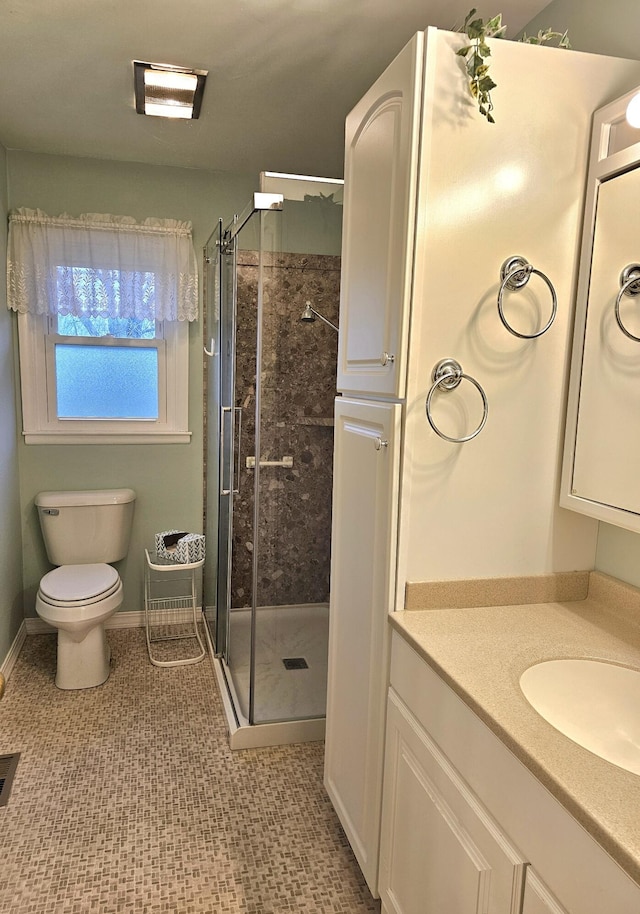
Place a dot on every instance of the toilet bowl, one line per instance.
(77, 600)
(83, 531)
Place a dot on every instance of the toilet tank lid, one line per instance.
(86, 497)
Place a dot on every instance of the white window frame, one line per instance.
(37, 336)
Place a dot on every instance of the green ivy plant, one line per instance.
(545, 35)
(478, 51)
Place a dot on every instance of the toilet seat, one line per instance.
(70, 585)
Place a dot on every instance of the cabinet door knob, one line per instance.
(386, 358)
(379, 443)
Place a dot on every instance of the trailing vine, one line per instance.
(476, 55)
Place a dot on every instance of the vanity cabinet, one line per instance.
(381, 162)
(441, 851)
(466, 827)
(537, 898)
(381, 155)
(366, 459)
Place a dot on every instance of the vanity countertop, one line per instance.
(482, 651)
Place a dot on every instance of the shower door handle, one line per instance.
(228, 462)
(284, 462)
(225, 463)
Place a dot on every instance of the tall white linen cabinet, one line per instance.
(436, 201)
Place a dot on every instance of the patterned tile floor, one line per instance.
(128, 799)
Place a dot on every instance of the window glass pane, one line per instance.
(106, 382)
(121, 327)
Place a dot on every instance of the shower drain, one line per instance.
(295, 663)
(8, 765)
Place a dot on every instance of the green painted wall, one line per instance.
(167, 478)
(11, 604)
(602, 28)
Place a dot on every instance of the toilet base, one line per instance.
(83, 664)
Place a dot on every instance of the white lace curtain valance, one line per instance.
(98, 265)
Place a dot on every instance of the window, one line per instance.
(94, 381)
(103, 318)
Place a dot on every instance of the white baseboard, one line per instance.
(126, 620)
(14, 651)
(36, 626)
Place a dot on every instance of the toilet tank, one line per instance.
(84, 527)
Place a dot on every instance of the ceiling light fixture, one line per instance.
(633, 111)
(162, 90)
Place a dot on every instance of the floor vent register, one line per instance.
(8, 765)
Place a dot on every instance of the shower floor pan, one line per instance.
(291, 695)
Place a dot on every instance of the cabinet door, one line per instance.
(537, 897)
(365, 489)
(381, 158)
(607, 445)
(441, 852)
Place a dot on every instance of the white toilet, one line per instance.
(82, 532)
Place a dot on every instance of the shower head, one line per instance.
(309, 315)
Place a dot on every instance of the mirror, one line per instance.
(601, 470)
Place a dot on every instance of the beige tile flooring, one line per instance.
(128, 799)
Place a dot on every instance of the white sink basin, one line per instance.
(594, 703)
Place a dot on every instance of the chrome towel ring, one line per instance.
(446, 375)
(629, 285)
(515, 273)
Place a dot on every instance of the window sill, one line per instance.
(56, 437)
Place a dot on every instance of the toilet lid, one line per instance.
(74, 583)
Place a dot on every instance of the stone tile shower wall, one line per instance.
(298, 389)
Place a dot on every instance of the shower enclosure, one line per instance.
(272, 277)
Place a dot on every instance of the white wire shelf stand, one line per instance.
(171, 611)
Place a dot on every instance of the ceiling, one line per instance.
(282, 75)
